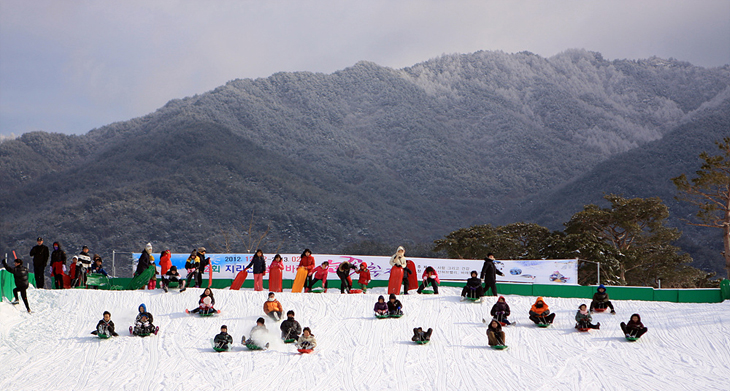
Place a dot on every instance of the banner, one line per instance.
(555, 271)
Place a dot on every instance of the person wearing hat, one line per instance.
(364, 279)
(20, 274)
(40, 255)
(145, 260)
(601, 301)
(172, 275)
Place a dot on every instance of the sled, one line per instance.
(253, 346)
(427, 292)
(142, 279)
(543, 325)
(290, 340)
(395, 315)
(352, 291)
(317, 290)
(583, 329)
(631, 339)
(422, 342)
(299, 280)
(218, 349)
(412, 278)
(131, 331)
(395, 280)
(203, 314)
(238, 282)
(467, 298)
(103, 336)
(305, 351)
(382, 316)
(599, 309)
(499, 347)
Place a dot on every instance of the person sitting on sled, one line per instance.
(273, 308)
(419, 335)
(500, 311)
(223, 340)
(290, 328)
(540, 312)
(473, 287)
(97, 267)
(381, 307)
(206, 303)
(143, 322)
(306, 341)
(394, 305)
(634, 329)
(600, 299)
(430, 277)
(583, 319)
(364, 278)
(495, 335)
(105, 326)
(320, 274)
(257, 332)
(172, 275)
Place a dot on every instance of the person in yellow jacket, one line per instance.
(273, 308)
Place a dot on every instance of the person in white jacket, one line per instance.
(399, 259)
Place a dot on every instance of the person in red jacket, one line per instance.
(320, 274)
(307, 261)
(430, 277)
(364, 279)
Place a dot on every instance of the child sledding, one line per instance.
(143, 323)
(205, 304)
(473, 289)
(306, 342)
(273, 308)
(381, 308)
(172, 278)
(105, 327)
(391, 309)
(257, 336)
(421, 337)
(290, 328)
(540, 313)
(500, 311)
(583, 319)
(222, 342)
(600, 301)
(495, 335)
(634, 329)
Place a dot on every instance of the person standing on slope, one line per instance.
(58, 262)
(399, 260)
(191, 266)
(275, 270)
(20, 274)
(489, 274)
(40, 255)
(201, 266)
(343, 272)
(259, 269)
(307, 261)
(145, 260)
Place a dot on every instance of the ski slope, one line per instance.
(687, 346)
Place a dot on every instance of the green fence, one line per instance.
(709, 295)
(7, 283)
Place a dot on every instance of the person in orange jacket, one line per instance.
(320, 274)
(307, 261)
(540, 312)
(273, 308)
(364, 279)
(430, 277)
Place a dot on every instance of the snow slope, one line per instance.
(687, 346)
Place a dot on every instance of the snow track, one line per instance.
(687, 346)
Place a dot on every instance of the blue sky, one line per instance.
(69, 67)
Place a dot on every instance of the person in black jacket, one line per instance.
(145, 260)
(394, 305)
(500, 311)
(172, 275)
(105, 326)
(473, 287)
(201, 266)
(223, 340)
(290, 328)
(20, 274)
(489, 274)
(40, 256)
(58, 261)
(343, 272)
(259, 269)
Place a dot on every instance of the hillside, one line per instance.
(686, 346)
(366, 153)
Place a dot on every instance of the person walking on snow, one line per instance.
(489, 274)
(20, 275)
(40, 255)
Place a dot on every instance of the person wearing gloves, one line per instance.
(394, 305)
(273, 308)
(634, 329)
(223, 340)
(540, 312)
(583, 319)
(290, 328)
(20, 275)
(489, 274)
(306, 341)
(430, 277)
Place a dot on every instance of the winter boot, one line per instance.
(427, 337)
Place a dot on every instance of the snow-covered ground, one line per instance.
(687, 346)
